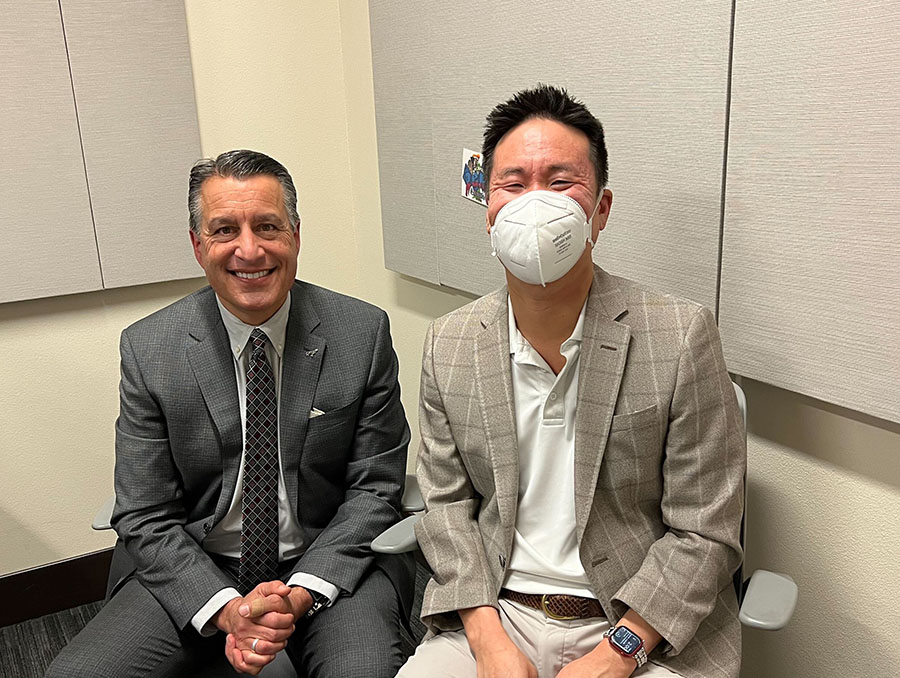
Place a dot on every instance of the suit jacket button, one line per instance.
(502, 560)
(206, 527)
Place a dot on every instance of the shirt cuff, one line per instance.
(201, 620)
(313, 583)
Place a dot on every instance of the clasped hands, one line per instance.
(259, 624)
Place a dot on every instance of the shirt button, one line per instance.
(553, 395)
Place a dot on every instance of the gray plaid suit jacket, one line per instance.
(659, 468)
(179, 443)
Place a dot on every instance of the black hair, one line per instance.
(551, 103)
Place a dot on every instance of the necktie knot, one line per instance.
(258, 339)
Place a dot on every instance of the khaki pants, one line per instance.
(549, 645)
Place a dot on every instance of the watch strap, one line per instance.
(320, 600)
(640, 656)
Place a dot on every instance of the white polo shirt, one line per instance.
(544, 556)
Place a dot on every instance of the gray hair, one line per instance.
(240, 164)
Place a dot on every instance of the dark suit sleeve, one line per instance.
(374, 476)
(149, 515)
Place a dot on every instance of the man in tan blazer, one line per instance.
(582, 459)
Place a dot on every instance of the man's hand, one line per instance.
(257, 626)
(504, 660)
(605, 662)
(601, 662)
(300, 601)
(496, 656)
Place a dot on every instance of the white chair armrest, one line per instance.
(102, 521)
(412, 501)
(769, 601)
(399, 538)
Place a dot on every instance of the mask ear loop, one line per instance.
(590, 228)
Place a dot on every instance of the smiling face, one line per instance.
(247, 246)
(542, 154)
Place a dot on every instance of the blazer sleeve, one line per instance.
(375, 472)
(448, 534)
(149, 516)
(683, 573)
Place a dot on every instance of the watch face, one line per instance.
(626, 640)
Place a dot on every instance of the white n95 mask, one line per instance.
(540, 235)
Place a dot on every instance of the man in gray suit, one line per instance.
(260, 447)
(582, 455)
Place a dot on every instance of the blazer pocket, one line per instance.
(330, 419)
(633, 457)
(634, 420)
(328, 416)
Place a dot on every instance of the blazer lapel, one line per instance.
(211, 360)
(604, 348)
(493, 379)
(303, 353)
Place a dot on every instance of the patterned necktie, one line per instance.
(259, 510)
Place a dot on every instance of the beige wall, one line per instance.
(823, 506)
(59, 376)
(294, 79)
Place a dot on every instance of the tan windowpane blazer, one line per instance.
(659, 468)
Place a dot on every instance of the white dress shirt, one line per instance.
(225, 537)
(544, 557)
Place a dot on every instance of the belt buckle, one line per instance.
(546, 610)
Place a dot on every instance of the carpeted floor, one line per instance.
(29, 647)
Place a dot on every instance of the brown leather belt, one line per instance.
(557, 605)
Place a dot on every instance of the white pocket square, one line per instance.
(315, 412)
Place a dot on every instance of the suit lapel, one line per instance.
(604, 349)
(211, 360)
(493, 379)
(303, 351)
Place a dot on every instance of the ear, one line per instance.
(198, 248)
(488, 213)
(296, 235)
(601, 215)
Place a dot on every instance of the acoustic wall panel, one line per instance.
(471, 56)
(134, 90)
(654, 75)
(810, 296)
(45, 216)
(401, 45)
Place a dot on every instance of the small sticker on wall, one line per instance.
(473, 186)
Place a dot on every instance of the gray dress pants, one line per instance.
(133, 636)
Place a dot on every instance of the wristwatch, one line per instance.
(627, 643)
(320, 600)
